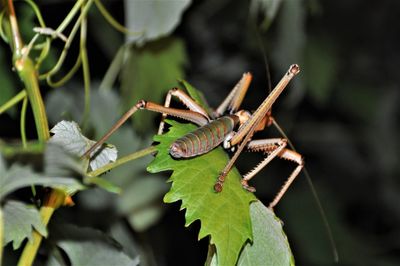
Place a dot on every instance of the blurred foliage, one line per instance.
(140, 17)
(149, 72)
(20, 221)
(342, 113)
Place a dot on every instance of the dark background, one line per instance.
(341, 113)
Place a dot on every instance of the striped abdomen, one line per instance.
(203, 139)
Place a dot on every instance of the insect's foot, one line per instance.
(220, 182)
(218, 186)
(246, 186)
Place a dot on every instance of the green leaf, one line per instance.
(149, 72)
(153, 19)
(17, 177)
(270, 245)
(224, 216)
(86, 246)
(19, 220)
(68, 135)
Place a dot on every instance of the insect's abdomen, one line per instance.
(203, 139)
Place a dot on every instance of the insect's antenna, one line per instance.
(264, 54)
(315, 196)
(305, 171)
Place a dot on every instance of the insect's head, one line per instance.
(243, 116)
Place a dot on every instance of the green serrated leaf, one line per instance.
(68, 135)
(86, 246)
(153, 19)
(224, 216)
(270, 245)
(149, 72)
(19, 221)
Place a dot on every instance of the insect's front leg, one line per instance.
(246, 131)
(192, 116)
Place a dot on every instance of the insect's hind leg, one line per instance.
(186, 100)
(274, 148)
(294, 157)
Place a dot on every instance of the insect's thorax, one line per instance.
(205, 138)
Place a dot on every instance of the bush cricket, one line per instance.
(227, 125)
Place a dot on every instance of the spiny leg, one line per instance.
(274, 148)
(186, 100)
(246, 131)
(291, 156)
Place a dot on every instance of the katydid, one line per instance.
(227, 125)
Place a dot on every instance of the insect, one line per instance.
(227, 125)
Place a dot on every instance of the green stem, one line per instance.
(123, 160)
(113, 70)
(113, 22)
(13, 101)
(27, 73)
(70, 15)
(9, 150)
(71, 36)
(54, 200)
(85, 70)
(22, 123)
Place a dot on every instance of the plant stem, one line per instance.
(33, 147)
(22, 123)
(125, 159)
(54, 200)
(27, 72)
(85, 69)
(13, 101)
